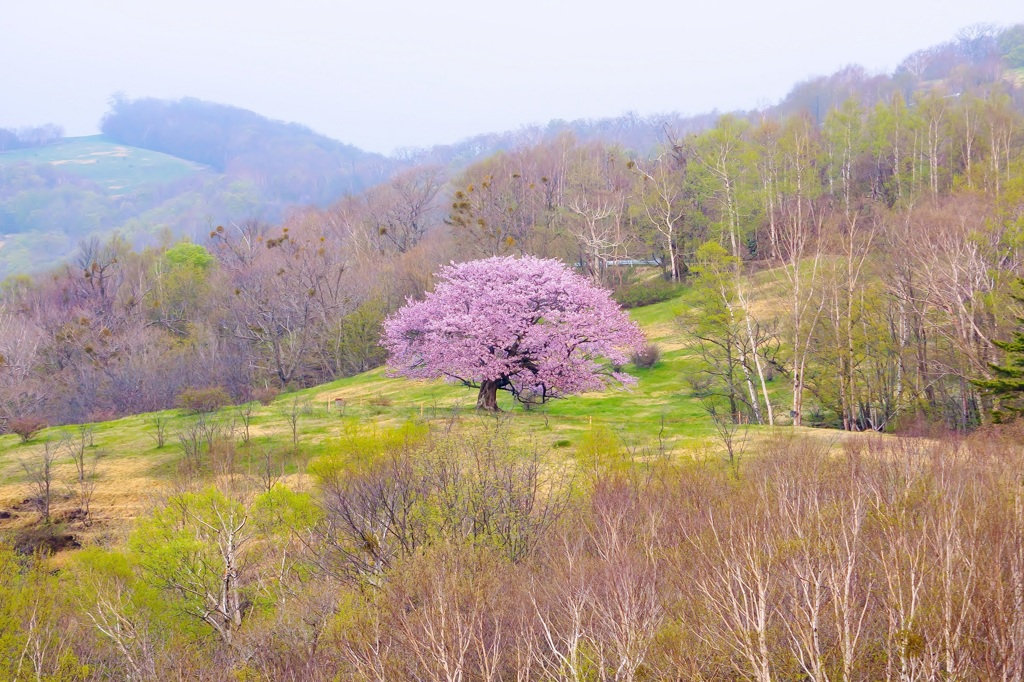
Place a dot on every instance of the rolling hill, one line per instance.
(112, 166)
(53, 196)
(167, 167)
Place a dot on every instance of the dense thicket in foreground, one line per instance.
(419, 556)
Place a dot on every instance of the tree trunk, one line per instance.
(487, 399)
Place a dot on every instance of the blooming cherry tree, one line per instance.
(526, 325)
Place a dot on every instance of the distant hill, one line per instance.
(287, 161)
(52, 196)
(178, 167)
(101, 160)
(978, 56)
(630, 131)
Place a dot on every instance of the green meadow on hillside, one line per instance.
(53, 196)
(114, 167)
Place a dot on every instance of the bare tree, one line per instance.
(661, 195)
(268, 471)
(285, 296)
(739, 583)
(563, 610)
(40, 474)
(246, 412)
(627, 606)
(159, 434)
(84, 483)
(401, 212)
(297, 408)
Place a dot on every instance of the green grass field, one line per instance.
(116, 168)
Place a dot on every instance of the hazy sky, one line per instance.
(382, 75)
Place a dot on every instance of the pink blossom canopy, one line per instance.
(530, 325)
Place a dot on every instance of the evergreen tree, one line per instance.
(1007, 383)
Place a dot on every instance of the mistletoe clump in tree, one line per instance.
(527, 325)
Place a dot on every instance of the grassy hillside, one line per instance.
(53, 196)
(115, 167)
(656, 417)
(179, 166)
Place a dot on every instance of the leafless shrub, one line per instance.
(297, 408)
(268, 469)
(245, 414)
(84, 483)
(203, 400)
(465, 491)
(26, 427)
(646, 357)
(159, 423)
(190, 437)
(265, 396)
(39, 471)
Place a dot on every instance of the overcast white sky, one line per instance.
(382, 75)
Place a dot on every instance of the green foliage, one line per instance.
(721, 181)
(195, 550)
(1011, 46)
(109, 588)
(280, 507)
(716, 332)
(646, 292)
(1007, 382)
(192, 257)
(357, 345)
(30, 619)
(888, 128)
(182, 287)
(715, 273)
(361, 447)
(600, 452)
